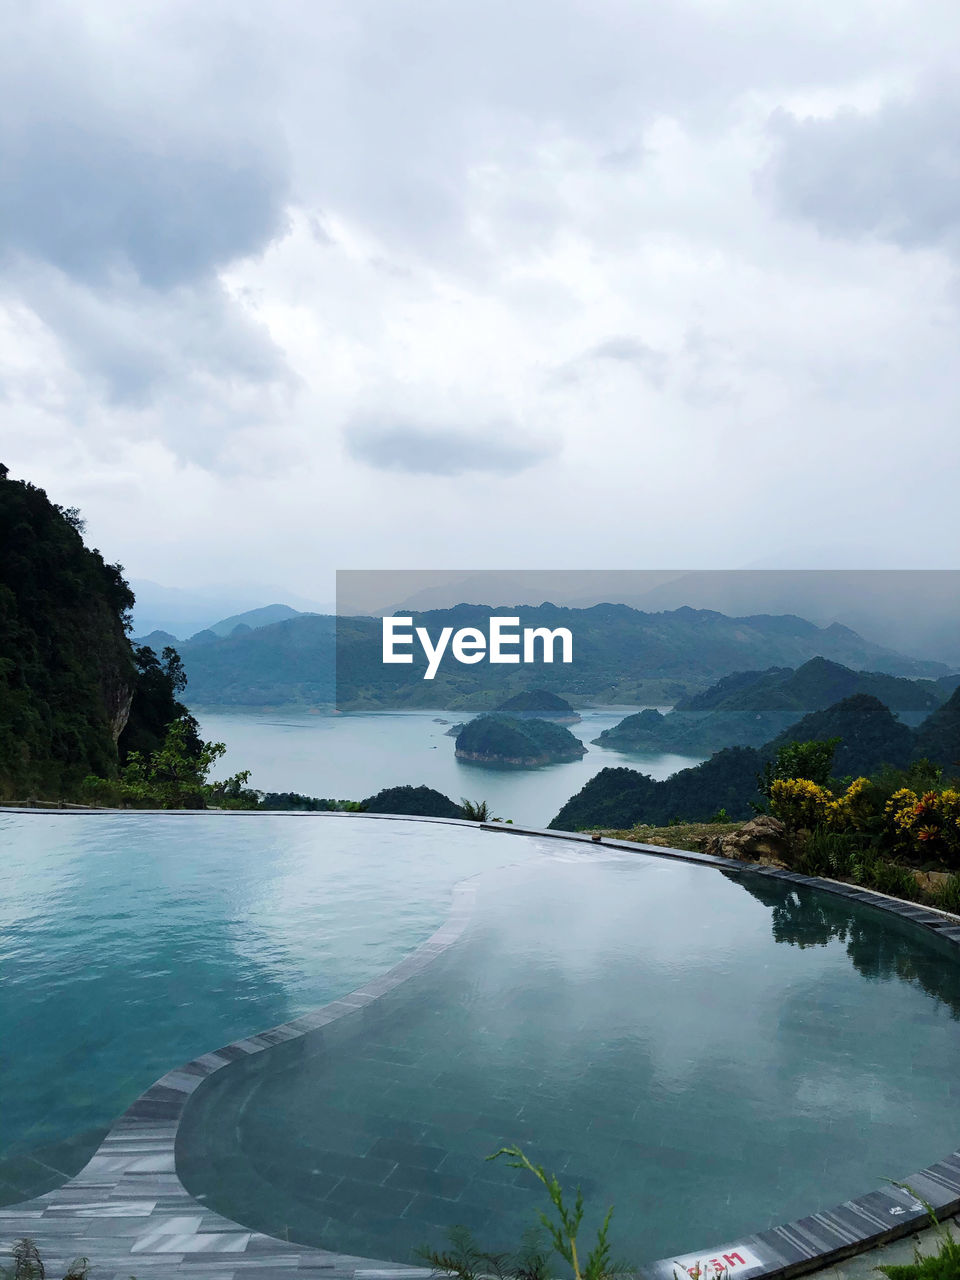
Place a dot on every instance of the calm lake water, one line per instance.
(351, 756)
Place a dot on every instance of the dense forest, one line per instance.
(748, 708)
(539, 704)
(869, 737)
(76, 697)
(518, 743)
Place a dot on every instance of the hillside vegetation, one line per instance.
(868, 736)
(518, 743)
(748, 708)
(84, 714)
(67, 670)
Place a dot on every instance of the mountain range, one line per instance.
(621, 655)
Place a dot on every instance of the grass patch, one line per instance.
(691, 836)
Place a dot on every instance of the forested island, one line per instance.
(513, 743)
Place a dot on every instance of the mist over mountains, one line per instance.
(914, 611)
(621, 656)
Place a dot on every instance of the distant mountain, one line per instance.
(286, 663)
(158, 641)
(749, 708)
(539, 704)
(816, 684)
(620, 656)
(912, 611)
(183, 611)
(253, 618)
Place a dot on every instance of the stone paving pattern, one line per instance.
(128, 1211)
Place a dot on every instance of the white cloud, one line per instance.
(315, 287)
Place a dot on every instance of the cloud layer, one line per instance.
(680, 279)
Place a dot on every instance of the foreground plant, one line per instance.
(469, 1262)
(564, 1231)
(477, 811)
(28, 1265)
(942, 1265)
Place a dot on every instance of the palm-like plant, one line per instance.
(476, 811)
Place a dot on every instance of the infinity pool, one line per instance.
(130, 943)
(710, 1052)
(710, 1055)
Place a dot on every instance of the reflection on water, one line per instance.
(804, 917)
(640, 1027)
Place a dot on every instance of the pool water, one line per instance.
(130, 943)
(710, 1053)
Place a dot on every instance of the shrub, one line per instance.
(800, 803)
(468, 1262)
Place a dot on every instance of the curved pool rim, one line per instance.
(132, 1176)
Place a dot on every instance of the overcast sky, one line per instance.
(292, 287)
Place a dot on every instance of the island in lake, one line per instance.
(511, 742)
(539, 704)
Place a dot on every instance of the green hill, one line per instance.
(76, 697)
(871, 736)
(938, 738)
(67, 671)
(254, 618)
(748, 708)
(524, 744)
(540, 703)
(816, 684)
(621, 798)
(689, 733)
(424, 802)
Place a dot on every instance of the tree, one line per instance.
(810, 760)
(172, 777)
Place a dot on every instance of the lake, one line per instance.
(354, 755)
